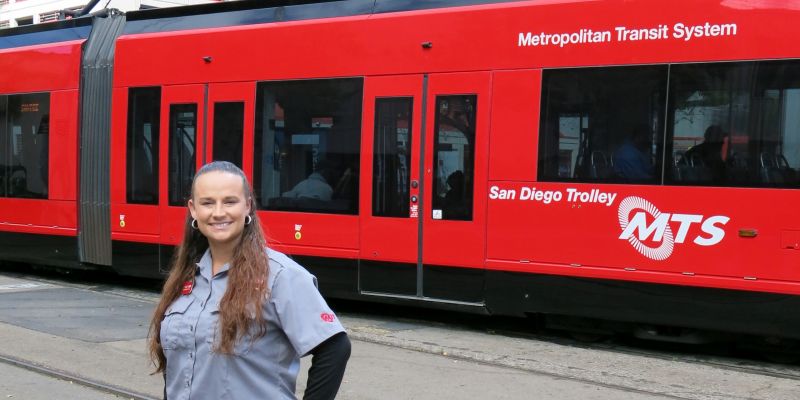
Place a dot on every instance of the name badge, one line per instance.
(187, 287)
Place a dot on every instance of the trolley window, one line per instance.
(142, 145)
(603, 124)
(392, 157)
(5, 140)
(454, 157)
(735, 124)
(26, 138)
(307, 145)
(228, 132)
(182, 157)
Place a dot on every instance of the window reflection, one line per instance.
(454, 157)
(727, 124)
(26, 139)
(392, 157)
(182, 156)
(228, 132)
(736, 124)
(4, 143)
(603, 124)
(144, 111)
(308, 136)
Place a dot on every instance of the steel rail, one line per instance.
(66, 376)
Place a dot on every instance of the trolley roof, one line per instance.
(216, 15)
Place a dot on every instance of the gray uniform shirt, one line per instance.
(298, 319)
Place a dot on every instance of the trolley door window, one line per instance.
(392, 157)
(228, 132)
(603, 124)
(735, 124)
(142, 144)
(307, 141)
(182, 156)
(25, 135)
(454, 157)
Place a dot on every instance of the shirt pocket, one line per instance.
(177, 326)
(241, 348)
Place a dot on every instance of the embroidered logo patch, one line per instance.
(327, 317)
(187, 287)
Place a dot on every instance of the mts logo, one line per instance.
(637, 230)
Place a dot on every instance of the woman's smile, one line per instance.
(220, 225)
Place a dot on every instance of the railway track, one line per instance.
(506, 327)
(73, 378)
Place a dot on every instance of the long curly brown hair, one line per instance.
(240, 309)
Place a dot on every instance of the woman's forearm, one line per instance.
(328, 362)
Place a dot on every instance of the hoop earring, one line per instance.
(194, 223)
(248, 219)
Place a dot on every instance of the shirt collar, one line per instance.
(205, 263)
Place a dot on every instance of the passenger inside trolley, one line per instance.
(455, 205)
(631, 160)
(315, 186)
(708, 159)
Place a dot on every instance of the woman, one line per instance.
(234, 318)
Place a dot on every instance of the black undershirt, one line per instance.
(328, 363)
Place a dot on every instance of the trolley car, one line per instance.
(622, 161)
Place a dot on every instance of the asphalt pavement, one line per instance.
(100, 337)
